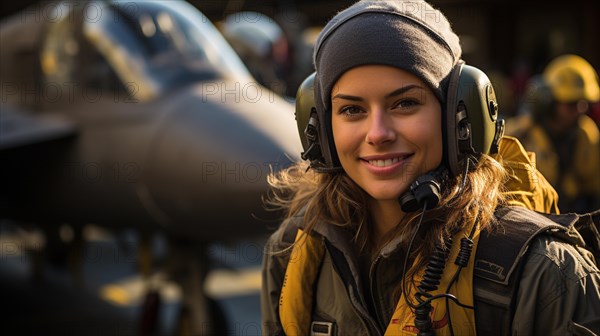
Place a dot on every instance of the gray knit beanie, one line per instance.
(410, 35)
(407, 34)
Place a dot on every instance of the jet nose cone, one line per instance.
(210, 163)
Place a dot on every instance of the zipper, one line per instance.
(374, 294)
(368, 321)
(365, 316)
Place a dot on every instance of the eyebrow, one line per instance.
(396, 92)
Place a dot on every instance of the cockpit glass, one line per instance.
(157, 44)
(174, 37)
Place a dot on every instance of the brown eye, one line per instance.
(406, 103)
(351, 111)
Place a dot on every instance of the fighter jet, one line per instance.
(136, 115)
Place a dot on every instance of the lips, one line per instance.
(385, 164)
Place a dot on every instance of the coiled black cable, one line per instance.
(429, 283)
(462, 260)
(431, 280)
(434, 272)
(464, 253)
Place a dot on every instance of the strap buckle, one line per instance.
(318, 328)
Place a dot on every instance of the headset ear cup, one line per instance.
(308, 123)
(305, 105)
(471, 117)
(452, 101)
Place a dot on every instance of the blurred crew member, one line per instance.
(565, 140)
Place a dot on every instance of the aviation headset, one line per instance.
(470, 127)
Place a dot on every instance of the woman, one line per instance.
(354, 256)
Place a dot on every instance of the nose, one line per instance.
(380, 129)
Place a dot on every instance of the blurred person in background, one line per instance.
(555, 126)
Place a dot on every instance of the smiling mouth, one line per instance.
(387, 162)
(383, 163)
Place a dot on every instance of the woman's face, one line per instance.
(387, 128)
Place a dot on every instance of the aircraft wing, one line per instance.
(18, 128)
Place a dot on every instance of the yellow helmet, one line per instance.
(571, 78)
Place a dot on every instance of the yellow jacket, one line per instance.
(582, 177)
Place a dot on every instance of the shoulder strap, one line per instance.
(496, 275)
(297, 291)
(588, 227)
(518, 226)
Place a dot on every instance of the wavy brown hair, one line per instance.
(335, 199)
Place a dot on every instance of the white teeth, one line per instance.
(384, 163)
